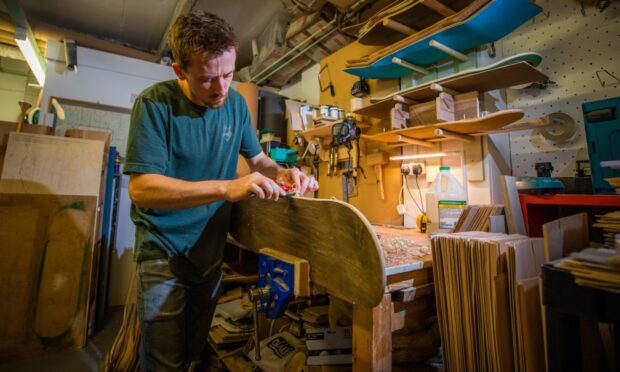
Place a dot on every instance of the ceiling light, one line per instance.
(31, 55)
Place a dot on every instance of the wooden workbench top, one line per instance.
(403, 249)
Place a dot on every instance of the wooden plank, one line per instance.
(44, 272)
(372, 336)
(333, 236)
(512, 206)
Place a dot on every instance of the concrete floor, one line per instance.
(87, 359)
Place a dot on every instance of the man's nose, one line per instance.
(220, 85)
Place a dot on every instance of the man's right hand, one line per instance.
(253, 184)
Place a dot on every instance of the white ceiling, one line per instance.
(141, 24)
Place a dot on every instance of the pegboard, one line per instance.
(574, 47)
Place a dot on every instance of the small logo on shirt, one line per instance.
(227, 134)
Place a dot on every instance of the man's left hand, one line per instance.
(302, 182)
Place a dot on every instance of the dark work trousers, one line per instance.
(175, 317)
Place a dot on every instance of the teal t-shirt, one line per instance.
(172, 136)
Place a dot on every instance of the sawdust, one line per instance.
(400, 250)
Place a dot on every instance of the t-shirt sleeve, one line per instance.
(250, 147)
(147, 149)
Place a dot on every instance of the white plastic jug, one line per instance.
(445, 200)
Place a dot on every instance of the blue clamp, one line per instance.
(277, 278)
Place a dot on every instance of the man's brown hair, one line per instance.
(200, 32)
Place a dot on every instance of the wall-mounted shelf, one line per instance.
(324, 130)
(475, 80)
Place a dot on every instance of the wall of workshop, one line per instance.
(575, 47)
(367, 199)
(111, 80)
(101, 78)
(305, 87)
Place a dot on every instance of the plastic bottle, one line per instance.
(445, 200)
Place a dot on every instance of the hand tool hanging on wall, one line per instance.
(345, 134)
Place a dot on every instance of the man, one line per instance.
(182, 153)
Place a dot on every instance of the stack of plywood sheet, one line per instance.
(488, 306)
(65, 175)
(610, 223)
(595, 267)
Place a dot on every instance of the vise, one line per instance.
(281, 277)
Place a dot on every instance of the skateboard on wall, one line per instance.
(337, 240)
(491, 123)
(460, 32)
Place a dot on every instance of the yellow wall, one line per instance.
(367, 199)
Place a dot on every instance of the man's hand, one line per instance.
(253, 184)
(302, 182)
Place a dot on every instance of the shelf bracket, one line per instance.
(446, 49)
(411, 66)
(440, 88)
(398, 27)
(413, 141)
(405, 101)
(453, 136)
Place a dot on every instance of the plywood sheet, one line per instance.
(44, 272)
(39, 164)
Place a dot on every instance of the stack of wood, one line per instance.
(478, 217)
(610, 223)
(595, 267)
(49, 207)
(488, 301)
(315, 316)
(232, 323)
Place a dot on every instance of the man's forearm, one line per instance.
(266, 166)
(155, 191)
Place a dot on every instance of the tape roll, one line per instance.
(561, 128)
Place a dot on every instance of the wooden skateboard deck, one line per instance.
(415, 14)
(494, 21)
(489, 123)
(511, 71)
(340, 244)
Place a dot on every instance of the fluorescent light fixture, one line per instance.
(31, 55)
(419, 156)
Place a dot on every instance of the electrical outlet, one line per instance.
(415, 168)
(405, 170)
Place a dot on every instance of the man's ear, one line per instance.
(178, 70)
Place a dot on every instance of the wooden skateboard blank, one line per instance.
(501, 77)
(337, 240)
(491, 122)
(416, 15)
